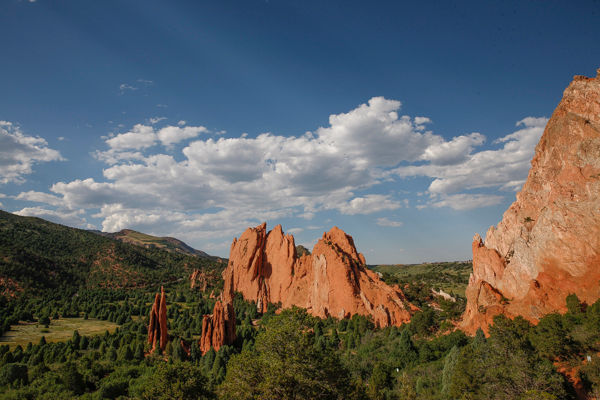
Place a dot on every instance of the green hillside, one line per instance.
(166, 243)
(452, 277)
(37, 254)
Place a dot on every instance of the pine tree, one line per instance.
(407, 348)
(111, 354)
(178, 352)
(449, 365)
(379, 382)
(139, 352)
(217, 366)
(335, 339)
(209, 359)
(76, 339)
(125, 353)
(195, 353)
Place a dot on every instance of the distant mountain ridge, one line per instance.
(148, 241)
(38, 255)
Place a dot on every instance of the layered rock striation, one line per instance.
(547, 245)
(158, 335)
(333, 280)
(218, 329)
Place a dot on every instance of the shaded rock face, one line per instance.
(218, 329)
(157, 327)
(547, 245)
(333, 280)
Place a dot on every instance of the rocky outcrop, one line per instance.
(218, 329)
(333, 280)
(198, 280)
(157, 327)
(547, 245)
(443, 295)
(203, 279)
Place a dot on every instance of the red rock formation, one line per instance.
(218, 329)
(157, 327)
(9, 287)
(332, 280)
(198, 280)
(548, 242)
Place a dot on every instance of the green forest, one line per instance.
(56, 279)
(292, 355)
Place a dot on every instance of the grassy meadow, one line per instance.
(59, 330)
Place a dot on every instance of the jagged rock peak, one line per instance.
(345, 243)
(547, 245)
(158, 335)
(332, 280)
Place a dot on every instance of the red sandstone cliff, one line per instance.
(218, 329)
(157, 327)
(548, 242)
(332, 280)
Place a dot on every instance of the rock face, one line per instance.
(157, 327)
(547, 245)
(218, 329)
(333, 280)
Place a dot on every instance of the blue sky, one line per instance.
(409, 125)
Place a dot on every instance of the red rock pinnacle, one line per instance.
(218, 329)
(157, 327)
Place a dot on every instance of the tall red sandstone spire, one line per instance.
(162, 318)
(547, 245)
(157, 327)
(218, 329)
(333, 280)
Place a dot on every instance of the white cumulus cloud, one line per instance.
(389, 223)
(465, 201)
(215, 187)
(369, 204)
(455, 151)
(64, 217)
(19, 152)
(170, 135)
(504, 168)
(40, 197)
(131, 144)
(140, 137)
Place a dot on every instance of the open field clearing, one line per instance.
(59, 330)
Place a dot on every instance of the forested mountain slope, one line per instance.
(37, 254)
(166, 243)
